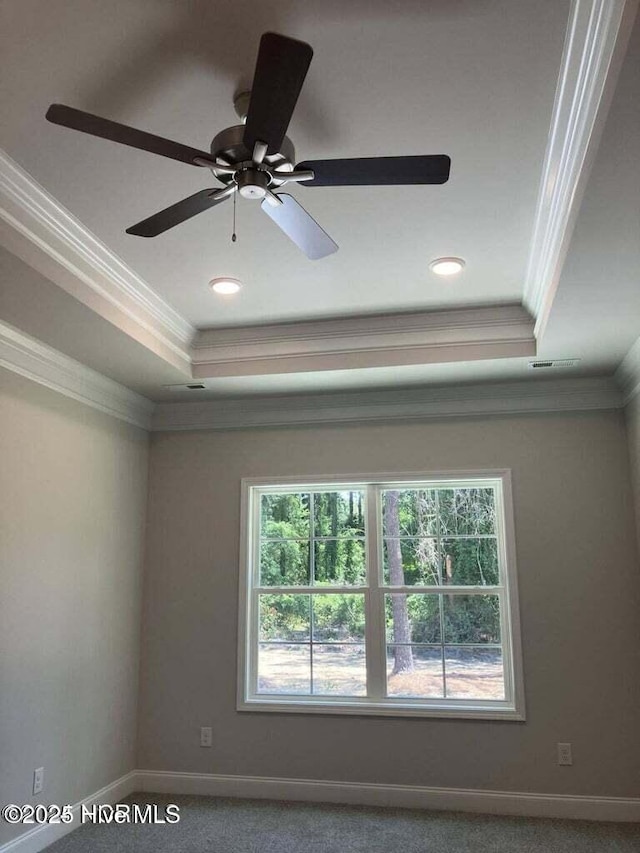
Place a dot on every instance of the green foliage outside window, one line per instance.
(438, 536)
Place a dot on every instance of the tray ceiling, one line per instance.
(492, 83)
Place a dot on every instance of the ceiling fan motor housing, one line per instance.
(228, 146)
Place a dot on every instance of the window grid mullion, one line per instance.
(447, 590)
(254, 646)
(319, 538)
(374, 603)
(503, 596)
(309, 590)
(505, 644)
(254, 610)
(441, 599)
(311, 644)
(446, 536)
(312, 541)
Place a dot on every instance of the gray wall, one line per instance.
(632, 418)
(72, 514)
(580, 598)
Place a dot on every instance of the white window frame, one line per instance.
(511, 708)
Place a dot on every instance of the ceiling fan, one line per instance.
(256, 159)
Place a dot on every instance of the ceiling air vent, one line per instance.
(553, 363)
(192, 386)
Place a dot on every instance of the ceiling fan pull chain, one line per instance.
(234, 236)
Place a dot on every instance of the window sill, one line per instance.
(496, 711)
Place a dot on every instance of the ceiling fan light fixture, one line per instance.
(447, 266)
(225, 286)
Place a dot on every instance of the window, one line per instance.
(394, 596)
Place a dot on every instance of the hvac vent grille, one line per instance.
(192, 386)
(553, 363)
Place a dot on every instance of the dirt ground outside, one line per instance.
(340, 670)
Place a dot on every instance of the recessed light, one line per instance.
(225, 286)
(447, 266)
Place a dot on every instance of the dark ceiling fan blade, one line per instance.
(106, 129)
(300, 227)
(378, 171)
(281, 68)
(180, 211)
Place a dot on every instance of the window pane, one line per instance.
(410, 561)
(412, 618)
(474, 673)
(470, 562)
(471, 619)
(409, 512)
(340, 561)
(467, 511)
(284, 516)
(339, 670)
(338, 618)
(284, 668)
(285, 617)
(338, 514)
(284, 563)
(441, 563)
(414, 671)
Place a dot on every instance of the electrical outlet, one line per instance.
(206, 736)
(565, 758)
(38, 780)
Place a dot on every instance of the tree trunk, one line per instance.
(332, 544)
(403, 656)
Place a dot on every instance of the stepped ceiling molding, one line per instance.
(28, 357)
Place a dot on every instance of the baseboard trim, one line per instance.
(39, 837)
(621, 809)
(402, 796)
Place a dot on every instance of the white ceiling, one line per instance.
(472, 78)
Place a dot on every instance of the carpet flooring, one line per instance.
(223, 825)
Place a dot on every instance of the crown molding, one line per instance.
(390, 405)
(595, 44)
(425, 337)
(627, 376)
(37, 228)
(28, 357)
